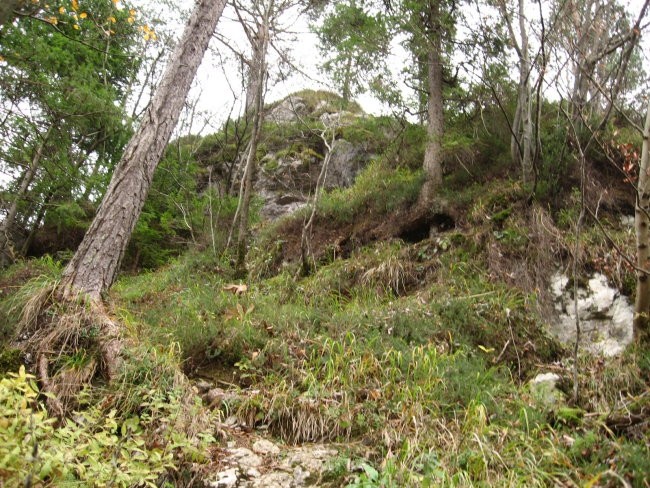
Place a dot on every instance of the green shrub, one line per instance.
(93, 448)
(377, 188)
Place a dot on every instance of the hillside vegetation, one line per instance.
(407, 343)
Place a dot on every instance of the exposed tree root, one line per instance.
(73, 342)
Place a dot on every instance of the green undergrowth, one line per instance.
(412, 349)
(416, 357)
(378, 188)
(145, 430)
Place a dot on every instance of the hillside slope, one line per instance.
(407, 353)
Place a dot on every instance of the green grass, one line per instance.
(416, 357)
(378, 188)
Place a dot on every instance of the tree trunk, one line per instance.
(258, 72)
(641, 223)
(347, 95)
(95, 265)
(6, 243)
(525, 99)
(432, 164)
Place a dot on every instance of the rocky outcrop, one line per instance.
(605, 315)
(346, 161)
(288, 172)
(285, 182)
(291, 109)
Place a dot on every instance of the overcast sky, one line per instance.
(217, 84)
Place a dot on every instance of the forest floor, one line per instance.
(406, 357)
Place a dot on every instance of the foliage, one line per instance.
(59, 149)
(377, 188)
(355, 39)
(32, 448)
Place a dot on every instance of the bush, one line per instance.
(31, 448)
(377, 188)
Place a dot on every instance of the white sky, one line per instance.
(214, 89)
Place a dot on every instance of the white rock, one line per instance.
(311, 459)
(605, 315)
(274, 480)
(301, 476)
(627, 220)
(226, 479)
(243, 457)
(544, 390)
(264, 447)
(546, 377)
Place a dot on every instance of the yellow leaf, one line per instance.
(112, 19)
(61, 10)
(486, 349)
(130, 20)
(83, 15)
(75, 4)
(1, 58)
(52, 20)
(132, 12)
(76, 26)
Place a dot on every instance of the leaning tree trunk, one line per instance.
(641, 223)
(95, 265)
(432, 164)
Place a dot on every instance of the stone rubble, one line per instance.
(266, 465)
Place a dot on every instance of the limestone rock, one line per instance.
(274, 480)
(288, 110)
(244, 458)
(264, 447)
(605, 315)
(545, 392)
(226, 479)
(269, 466)
(346, 161)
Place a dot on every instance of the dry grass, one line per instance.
(71, 341)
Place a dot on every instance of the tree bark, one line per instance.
(260, 43)
(641, 224)
(525, 98)
(521, 139)
(432, 164)
(95, 265)
(6, 242)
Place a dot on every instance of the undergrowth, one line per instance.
(416, 356)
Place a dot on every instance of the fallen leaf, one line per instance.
(236, 289)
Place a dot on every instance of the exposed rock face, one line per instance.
(286, 178)
(286, 182)
(544, 389)
(266, 465)
(291, 109)
(346, 161)
(605, 315)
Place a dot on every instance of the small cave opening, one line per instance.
(415, 234)
(420, 229)
(442, 222)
